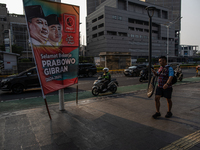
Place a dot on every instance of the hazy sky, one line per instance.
(190, 22)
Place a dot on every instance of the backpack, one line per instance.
(174, 80)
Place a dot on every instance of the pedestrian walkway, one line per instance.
(119, 122)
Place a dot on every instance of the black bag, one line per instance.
(174, 80)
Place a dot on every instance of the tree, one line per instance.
(17, 49)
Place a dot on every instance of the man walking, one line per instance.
(164, 88)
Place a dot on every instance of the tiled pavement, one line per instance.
(118, 122)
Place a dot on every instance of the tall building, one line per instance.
(175, 7)
(92, 5)
(123, 26)
(16, 24)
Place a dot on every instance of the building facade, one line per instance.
(16, 24)
(123, 26)
(175, 7)
(189, 50)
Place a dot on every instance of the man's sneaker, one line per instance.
(156, 115)
(168, 115)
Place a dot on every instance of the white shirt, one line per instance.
(37, 43)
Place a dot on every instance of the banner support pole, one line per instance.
(77, 94)
(61, 100)
(47, 108)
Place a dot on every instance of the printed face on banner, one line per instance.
(51, 29)
(54, 34)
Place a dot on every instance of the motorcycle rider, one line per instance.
(107, 77)
(178, 71)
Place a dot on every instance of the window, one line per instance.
(122, 34)
(139, 22)
(111, 33)
(146, 30)
(94, 28)
(101, 33)
(114, 17)
(139, 29)
(101, 25)
(146, 23)
(94, 20)
(163, 38)
(94, 35)
(153, 31)
(119, 18)
(131, 28)
(122, 4)
(100, 17)
(164, 14)
(131, 20)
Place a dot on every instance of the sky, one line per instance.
(190, 22)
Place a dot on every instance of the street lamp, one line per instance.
(150, 11)
(167, 25)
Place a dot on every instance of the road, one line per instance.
(84, 84)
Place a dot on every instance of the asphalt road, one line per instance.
(84, 84)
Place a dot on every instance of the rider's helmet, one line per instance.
(106, 69)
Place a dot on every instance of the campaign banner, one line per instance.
(54, 35)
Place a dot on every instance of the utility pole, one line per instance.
(150, 11)
(167, 25)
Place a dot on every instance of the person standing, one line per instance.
(164, 88)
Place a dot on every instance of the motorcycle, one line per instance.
(179, 75)
(143, 75)
(98, 86)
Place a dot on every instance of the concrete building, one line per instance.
(175, 7)
(189, 50)
(9, 62)
(17, 26)
(123, 26)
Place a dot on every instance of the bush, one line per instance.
(25, 60)
(100, 68)
(141, 60)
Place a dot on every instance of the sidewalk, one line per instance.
(118, 122)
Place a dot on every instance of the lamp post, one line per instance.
(167, 26)
(150, 11)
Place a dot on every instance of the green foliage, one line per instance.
(17, 49)
(86, 59)
(25, 60)
(100, 68)
(141, 60)
(196, 59)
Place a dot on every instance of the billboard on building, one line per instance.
(54, 34)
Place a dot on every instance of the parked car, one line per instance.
(29, 78)
(87, 69)
(24, 80)
(134, 70)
